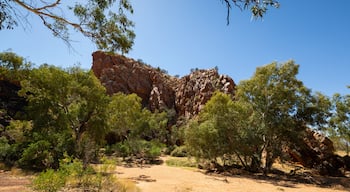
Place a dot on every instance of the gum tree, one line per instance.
(105, 22)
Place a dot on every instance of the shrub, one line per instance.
(4, 148)
(72, 176)
(138, 148)
(37, 156)
(180, 151)
(122, 149)
(49, 180)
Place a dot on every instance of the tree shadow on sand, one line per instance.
(282, 179)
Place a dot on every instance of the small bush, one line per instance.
(49, 180)
(138, 148)
(37, 156)
(154, 150)
(122, 149)
(72, 176)
(179, 152)
(4, 148)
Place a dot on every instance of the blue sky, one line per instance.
(184, 34)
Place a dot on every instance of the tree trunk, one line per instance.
(268, 159)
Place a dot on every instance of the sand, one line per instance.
(175, 179)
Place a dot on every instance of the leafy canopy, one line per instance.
(340, 121)
(13, 66)
(68, 111)
(270, 110)
(106, 24)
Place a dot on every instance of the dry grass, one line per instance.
(180, 162)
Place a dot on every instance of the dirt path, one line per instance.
(174, 179)
(11, 183)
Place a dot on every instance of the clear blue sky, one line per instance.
(184, 34)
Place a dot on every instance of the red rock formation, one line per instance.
(120, 74)
(159, 91)
(317, 151)
(194, 90)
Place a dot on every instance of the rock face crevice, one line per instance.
(159, 91)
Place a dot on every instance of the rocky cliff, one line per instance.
(159, 91)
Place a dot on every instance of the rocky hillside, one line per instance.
(160, 91)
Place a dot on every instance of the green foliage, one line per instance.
(141, 131)
(37, 155)
(67, 109)
(270, 110)
(206, 136)
(180, 151)
(13, 66)
(257, 8)
(18, 130)
(203, 140)
(281, 103)
(13, 141)
(49, 181)
(128, 119)
(9, 152)
(5, 147)
(222, 132)
(99, 20)
(121, 149)
(72, 175)
(126, 113)
(340, 121)
(113, 30)
(139, 148)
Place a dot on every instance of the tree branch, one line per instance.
(41, 14)
(49, 6)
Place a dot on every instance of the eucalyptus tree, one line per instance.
(283, 107)
(105, 22)
(340, 120)
(269, 111)
(224, 130)
(68, 111)
(13, 67)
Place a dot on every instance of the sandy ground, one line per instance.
(162, 178)
(13, 183)
(174, 179)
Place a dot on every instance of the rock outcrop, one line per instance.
(194, 90)
(317, 151)
(120, 74)
(159, 91)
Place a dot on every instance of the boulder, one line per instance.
(316, 151)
